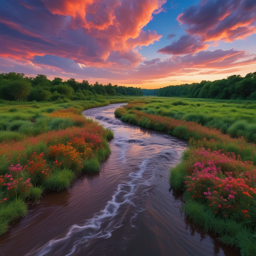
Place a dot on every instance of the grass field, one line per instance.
(217, 175)
(237, 118)
(43, 147)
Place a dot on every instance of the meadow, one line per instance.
(217, 174)
(44, 147)
(237, 118)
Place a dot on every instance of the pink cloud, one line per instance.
(202, 63)
(214, 21)
(86, 31)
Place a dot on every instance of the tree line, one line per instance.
(16, 86)
(150, 92)
(234, 87)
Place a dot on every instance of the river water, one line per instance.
(126, 209)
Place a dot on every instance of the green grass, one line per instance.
(35, 193)
(237, 118)
(59, 180)
(9, 136)
(231, 233)
(11, 212)
(177, 176)
(19, 119)
(91, 166)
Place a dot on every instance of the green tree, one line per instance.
(15, 90)
(39, 94)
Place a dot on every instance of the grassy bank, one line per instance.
(44, 147)
(217, 174)
(236, 118)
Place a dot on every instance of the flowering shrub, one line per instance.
(51, 136)
(83, 147)
(15, 170)
(66, 155)
(228, 197)
(94, 141)
(222, 181)
(227, 162)
(13, 186)
(37, 168)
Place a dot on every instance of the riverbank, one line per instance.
(217, 175)
(126, 209)
(44, 147)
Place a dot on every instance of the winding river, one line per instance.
(126, 209)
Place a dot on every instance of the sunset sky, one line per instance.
(142, 43)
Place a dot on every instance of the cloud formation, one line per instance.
(201, 63)
(213, 21)
(87, 31)
(101, 39)
(185, 44)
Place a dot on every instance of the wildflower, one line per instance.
(246, 193)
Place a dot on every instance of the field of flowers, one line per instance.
(217, 176)
(61, 145)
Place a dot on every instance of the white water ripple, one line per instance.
(92, 229)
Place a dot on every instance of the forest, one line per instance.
(234, 87)
(16, 86)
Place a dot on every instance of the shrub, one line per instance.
(59, 123)
(238, 129)
(181, 131)
(91, 166)
(59, 180)
(109, 134)
(66, 155)
(177, 176)
(16, 125)
(11, 110)
(37, 168)
(35, 193)
(10, 212)
(9, 136)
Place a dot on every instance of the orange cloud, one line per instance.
(90, 32)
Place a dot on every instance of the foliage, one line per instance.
(59, 180)
(10, 212)
(15, 86)
(234, 87)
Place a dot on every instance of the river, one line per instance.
(126, 209)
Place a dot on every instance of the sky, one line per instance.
(142, 43)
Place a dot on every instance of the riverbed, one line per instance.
(126, 209)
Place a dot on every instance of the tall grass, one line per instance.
(59, 180)
(11, 212)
